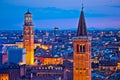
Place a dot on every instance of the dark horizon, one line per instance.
(63, 29)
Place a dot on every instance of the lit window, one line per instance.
(45, 67)
(39, 67)
(42, 67)
(26, 18)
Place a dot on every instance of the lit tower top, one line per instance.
(82, 31)
(28, 19)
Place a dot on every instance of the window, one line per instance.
(77, 48)
(80, 48)
(77, 68)
(83, 48)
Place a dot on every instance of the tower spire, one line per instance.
(82, 6)
(28, 11)
(82, 31)
(81, 52)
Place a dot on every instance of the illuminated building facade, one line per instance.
(52, 60)
(4, 76)
(20, 45)
(28, 42)
(82, 52)
(118, 66)
(9, 72)
(110, 65)
(49, 72)
(49, 60)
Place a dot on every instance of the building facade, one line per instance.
(9, 72)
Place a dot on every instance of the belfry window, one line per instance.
(82, 48)
(77, 48)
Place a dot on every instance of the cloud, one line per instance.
(65, 4)
(98, 12)
(58, 13)
(53, 13)
(65, 8)
(116, 6)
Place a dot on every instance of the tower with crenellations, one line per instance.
(28, 41)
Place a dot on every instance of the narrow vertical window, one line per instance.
(77, 48)
(81, 48)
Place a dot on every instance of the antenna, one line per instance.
(82, 5)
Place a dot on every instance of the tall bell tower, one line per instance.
(28, 38)
(82, 52)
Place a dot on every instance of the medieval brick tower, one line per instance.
(82, 52)
(28, 38)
